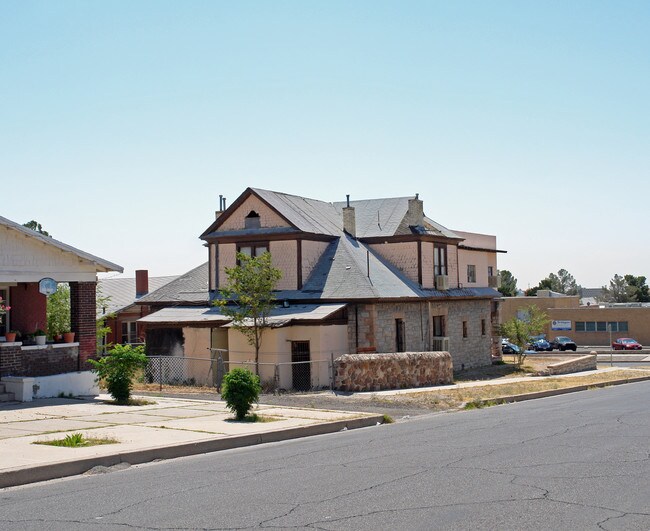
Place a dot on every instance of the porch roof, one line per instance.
(280, 316)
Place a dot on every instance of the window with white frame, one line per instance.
(471, 274)
(129, 332)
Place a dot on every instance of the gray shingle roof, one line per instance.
(121, 291)
(192, 287)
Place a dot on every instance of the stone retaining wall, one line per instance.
(583, 363)
(374, 372)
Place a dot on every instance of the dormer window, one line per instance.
(252, 221)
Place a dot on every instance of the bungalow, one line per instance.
(358, 276)
(31, 266)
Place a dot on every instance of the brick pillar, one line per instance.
(83, 320)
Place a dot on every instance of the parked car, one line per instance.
(508, 348)
(626, 343)
(563, 343)
(541, 345)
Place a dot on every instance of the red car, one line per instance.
(626, 343)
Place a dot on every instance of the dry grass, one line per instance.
(452, 398)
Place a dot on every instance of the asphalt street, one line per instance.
(578, 461)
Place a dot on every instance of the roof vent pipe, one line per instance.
(347, 198)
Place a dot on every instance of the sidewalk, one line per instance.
(166, 429)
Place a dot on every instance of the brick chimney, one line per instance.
(349, 219)
(141, 282)
(415, 212)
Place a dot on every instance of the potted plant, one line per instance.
(68, 337)
(12, 335)
(40, 337)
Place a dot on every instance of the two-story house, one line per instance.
(358, 276)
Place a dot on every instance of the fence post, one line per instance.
(160, 372)
(220, 372)
(276, 377)
(332, 371)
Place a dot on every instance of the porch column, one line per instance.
(83, 320)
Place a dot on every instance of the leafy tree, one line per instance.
(58, 311)
(563, 282)
(248, 297)
(508, 284)
(628, 288)
(519, 331)
(35, 225)
(638, 288)
(118, 369)
(240, 389)
(101, 303)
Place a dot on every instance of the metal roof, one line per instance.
(191, 287)
(280, 316)
(120, 292)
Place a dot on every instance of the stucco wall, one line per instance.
(428, 278)
(374, 372)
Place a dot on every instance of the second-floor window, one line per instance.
(471, 273)
(490, 271)
(253, 249)
(439, 259)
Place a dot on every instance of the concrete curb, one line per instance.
(25, 475)
(554, 392)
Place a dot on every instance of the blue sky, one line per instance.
(121, 122)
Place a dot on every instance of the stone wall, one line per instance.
(374, 372)
(16, 360)
(583, 363)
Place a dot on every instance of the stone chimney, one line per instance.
(349, 219)
(415, 212)
(141, 282)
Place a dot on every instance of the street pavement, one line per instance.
(578, 461)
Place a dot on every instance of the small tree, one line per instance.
(519, 331)
(508, 284)
(240, 389)
(248, 297)
(118, 368)
(58, 311)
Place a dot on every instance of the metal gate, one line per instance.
(301, 366)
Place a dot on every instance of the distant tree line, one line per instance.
(621, 288)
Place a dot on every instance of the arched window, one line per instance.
(252, 221)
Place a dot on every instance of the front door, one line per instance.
(301, 366)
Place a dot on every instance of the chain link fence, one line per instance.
(176, 371)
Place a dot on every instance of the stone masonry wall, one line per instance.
(374, 372)
(583, 363)
(475, 350)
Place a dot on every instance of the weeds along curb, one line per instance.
(553, 392)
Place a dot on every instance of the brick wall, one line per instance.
(82, 319)
(28, 308)
(11, 361)
(374, 372)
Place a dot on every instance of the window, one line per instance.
(439, 259)
(438, 326)
(601, 326)
(464, 328)
(471, 273)
(253, 249)
(252, 221)
(483, 327)
(399, 335)
(129, 332)
(490, 271)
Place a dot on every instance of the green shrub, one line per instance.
(118, 369)
(240, 389)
